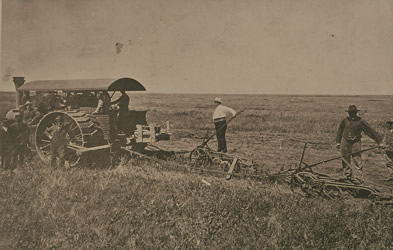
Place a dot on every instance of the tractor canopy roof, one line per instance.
(126, 84)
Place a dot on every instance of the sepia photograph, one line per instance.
(183, 124)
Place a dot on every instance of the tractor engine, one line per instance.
(87, 131)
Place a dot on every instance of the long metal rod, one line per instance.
(342, 158)
(339, 157)
(218, 130)
(304, 150)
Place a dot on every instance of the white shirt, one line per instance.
(100, 106)
(222, 111)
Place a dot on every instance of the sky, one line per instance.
(206, 46)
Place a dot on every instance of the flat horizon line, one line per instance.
(205, 93)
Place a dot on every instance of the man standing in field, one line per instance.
(8, 137)
(220, 123)
(20, 133)
(348, 139)
(387, 146)
(3, 142)
(59, 142)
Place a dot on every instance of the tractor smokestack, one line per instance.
(18, 81)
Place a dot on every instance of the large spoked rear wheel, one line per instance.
(82, 131)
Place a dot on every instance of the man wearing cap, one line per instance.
(20, 133)
(348, 139)
(387, 146)
(59, 142)
(30, 115)
(220, 123)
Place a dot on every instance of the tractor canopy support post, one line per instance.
(152, 132)
(139, 130)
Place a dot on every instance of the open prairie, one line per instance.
(142, 204)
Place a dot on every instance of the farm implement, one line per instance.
(319, 184)
(204, 156)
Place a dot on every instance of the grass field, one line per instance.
(143, 204)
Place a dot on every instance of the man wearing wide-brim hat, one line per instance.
(30, 115)
(220, 123)
(348, 139)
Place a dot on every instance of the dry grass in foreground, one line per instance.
(148, 205)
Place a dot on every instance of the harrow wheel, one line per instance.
(199, 157)
(83, 131)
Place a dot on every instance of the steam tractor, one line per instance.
(88, 132)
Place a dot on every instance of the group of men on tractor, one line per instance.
(15, 130)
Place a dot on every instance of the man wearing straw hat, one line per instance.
(220, 123)
(348, 139)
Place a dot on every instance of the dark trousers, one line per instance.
(220, 133)
(389, 160)
(122, 122)
(349, 147)
(57, 151)
(18, 155)
(8, 159)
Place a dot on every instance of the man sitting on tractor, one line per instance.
(70, 101)
(30, 115)
(103, 103)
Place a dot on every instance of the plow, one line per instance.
(303, 177)
(315, 184)
(204, 156)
